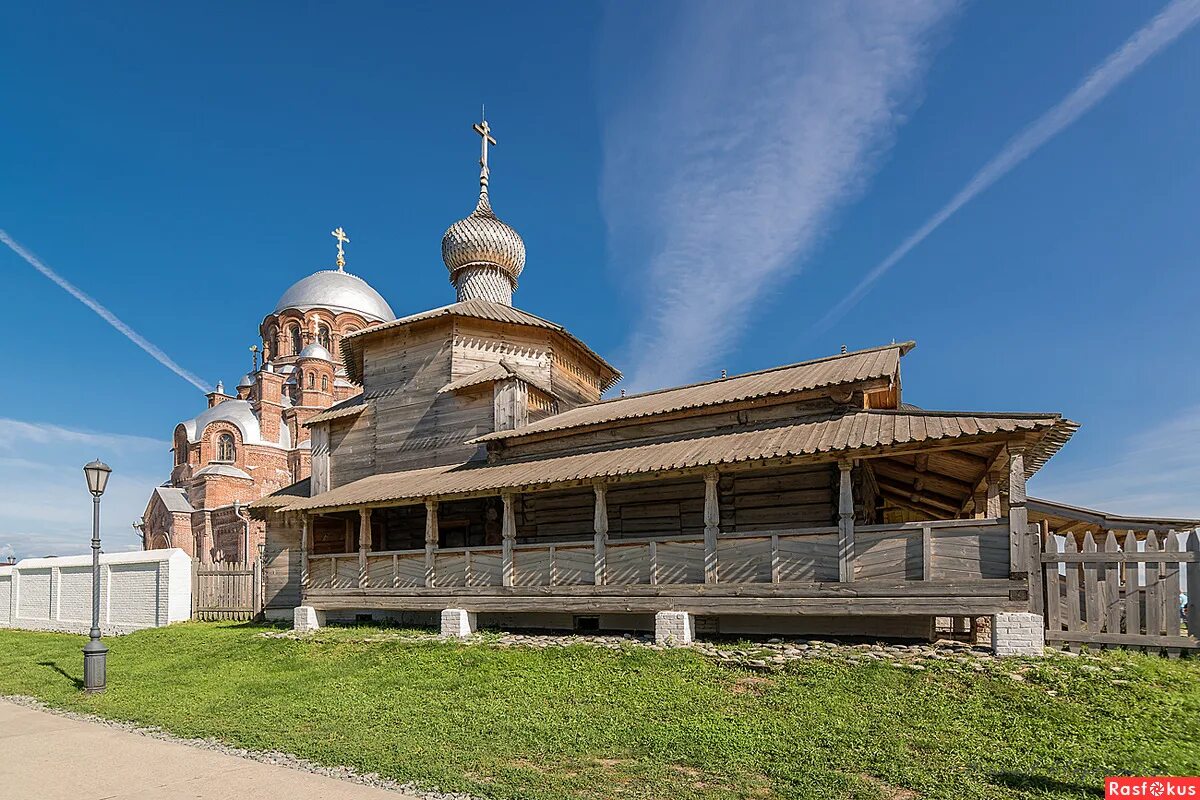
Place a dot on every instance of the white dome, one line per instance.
(315, 350)
(337, 291)
(241, 414)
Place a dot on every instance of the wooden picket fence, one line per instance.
(226, 591)
(1113, 595)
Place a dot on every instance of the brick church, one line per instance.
(254, 441)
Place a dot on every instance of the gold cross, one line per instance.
(342, 238)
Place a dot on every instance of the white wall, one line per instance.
(137, 590)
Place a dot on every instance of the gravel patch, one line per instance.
(273, 757)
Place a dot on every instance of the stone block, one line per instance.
(458, 623)
(1018, 634)
(307, 618)
(674, 628)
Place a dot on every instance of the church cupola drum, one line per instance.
(484, 255)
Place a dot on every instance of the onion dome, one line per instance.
(484, 255)
(315, 350)
(337, 291)
(245, 380)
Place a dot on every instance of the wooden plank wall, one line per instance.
(794, 497)
(351, 445)
(415, 426)
(281, 564)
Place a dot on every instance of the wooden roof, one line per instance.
(852, 433)
(282, 497)
(347, 408)
(879, 363)
(1065, 518)
(498, 372)
(472, 309)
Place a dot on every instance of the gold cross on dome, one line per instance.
(342, 239)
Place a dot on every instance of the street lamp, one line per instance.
(95, 654)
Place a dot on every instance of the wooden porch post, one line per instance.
(508, 530)
(303, 556)
(431, 538)
(712, 525)
(845, 522)
(364, 544)
(600, 526)
(1018, 515)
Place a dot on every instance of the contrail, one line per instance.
(105, 314)
(1161, 31)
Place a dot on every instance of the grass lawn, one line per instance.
(586, 722)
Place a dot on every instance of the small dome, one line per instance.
(482, 240)
(315, 350)
(337, 291)
(245, 380)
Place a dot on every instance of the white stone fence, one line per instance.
(148, 589)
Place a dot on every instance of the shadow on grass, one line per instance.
(77, 681)
(1040, 783)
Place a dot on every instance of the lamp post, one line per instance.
(95, 654)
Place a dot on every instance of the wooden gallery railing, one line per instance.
(1113, 594)
(954, 550)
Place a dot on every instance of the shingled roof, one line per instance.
(845, 368)
(282, 497)
(854, 431)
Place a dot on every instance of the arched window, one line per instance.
(180, 445)
(323, 337)
(324, 383)
(225, 448)
(294, 335)
(312, 380)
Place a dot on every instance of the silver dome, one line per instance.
(315, 350)
(245, 380)
(337, 291)
(482, 239)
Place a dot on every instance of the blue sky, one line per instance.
(696, 190)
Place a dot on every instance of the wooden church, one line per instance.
(480, 478)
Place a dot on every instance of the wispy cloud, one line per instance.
(14, 433)
(45, 508)
(106, 315)
(1160, 32)
(1155, 471)
(754, 124)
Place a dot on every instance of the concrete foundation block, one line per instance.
(674, 628)
(1018, 634)
(458, 623)
(307, 618)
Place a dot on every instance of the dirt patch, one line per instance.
(889, 792)
(755, 685)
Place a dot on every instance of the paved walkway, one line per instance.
(46, 757)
